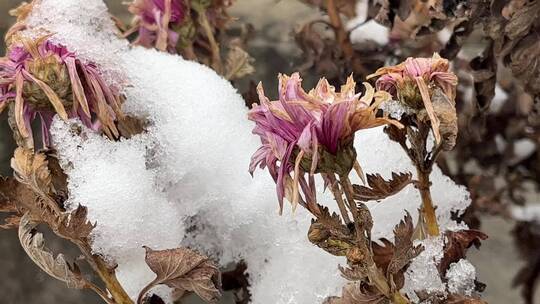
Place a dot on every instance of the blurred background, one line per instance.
(274, 50)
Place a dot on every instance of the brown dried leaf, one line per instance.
(184, 270)
(34, 245)
(75, 226)
(355, 293)
(404, 250)
(457, 243)
(32, 169)
(15, 198)
(328, 233)
(379, 188)
(445, 110)
(238, 63)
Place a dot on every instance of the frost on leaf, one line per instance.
(379, 188)
(34, 245)
(185, 271)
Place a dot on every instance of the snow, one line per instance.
(527, 213)
(422, 274)
(185, 181)
(461, 276)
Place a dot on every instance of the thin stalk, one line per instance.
(108, 277)
(428, 210)
(214, 47)
(340, 32)
(339, 198)
(100, 292)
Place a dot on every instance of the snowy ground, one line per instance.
(272, 20)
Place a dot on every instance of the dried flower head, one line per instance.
(44, 78)
(155, 21)
(413, 81)
(311, 132)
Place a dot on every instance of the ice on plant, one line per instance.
(461, 276)
(422, 274)
(186, 182)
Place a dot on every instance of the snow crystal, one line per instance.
(395, 109)
(461, 277)
(84, 27)
(185, 181)
(422, 274)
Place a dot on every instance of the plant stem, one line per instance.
(376, 277)
(340, 32)
(428, 210)
(107, 276)
(216, 58)
(339, 198)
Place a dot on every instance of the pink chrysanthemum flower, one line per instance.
(411, 82)
(308, 133)
(43, 79)
(155, 19)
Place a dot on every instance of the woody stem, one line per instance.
(376, 277)
(106, 274)
(428, 210)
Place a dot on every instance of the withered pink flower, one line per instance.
(411, 82)
(308, 133)
(43, 79)
(155, 21)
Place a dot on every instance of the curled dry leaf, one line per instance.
(379, 188)
(58, 268)
(15, 199)
(183, 270)
(358, 293)
(457, 243)
(75, 226)
(32, 169)
(328, 233)
(238, 63)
